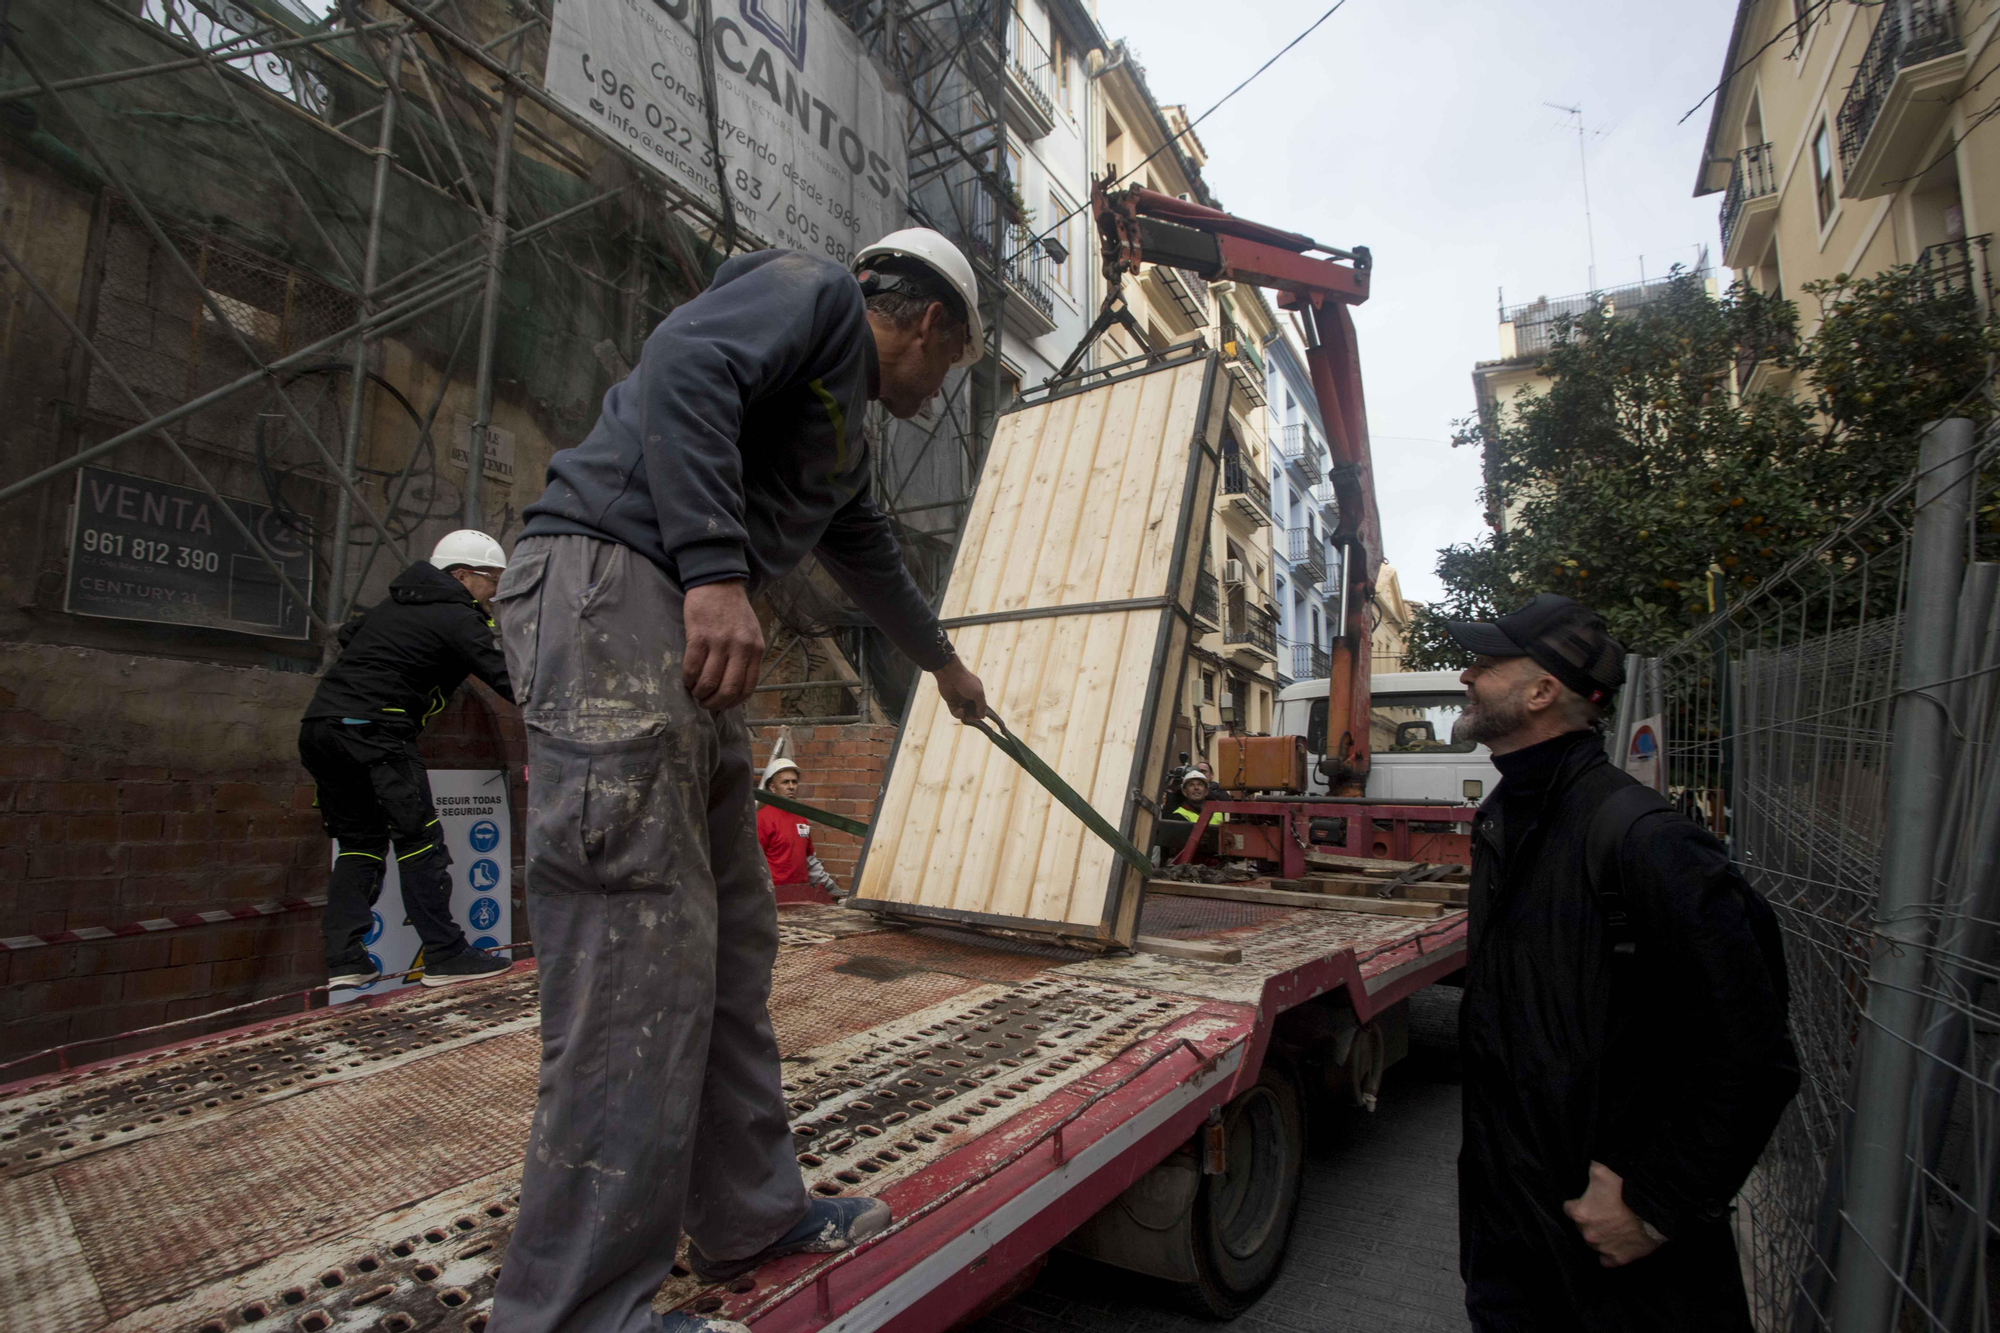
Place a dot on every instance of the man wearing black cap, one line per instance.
(1623, 1026)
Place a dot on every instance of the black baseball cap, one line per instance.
(1566, 638)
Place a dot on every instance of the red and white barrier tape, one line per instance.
(83, 934)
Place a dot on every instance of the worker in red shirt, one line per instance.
(796, 873)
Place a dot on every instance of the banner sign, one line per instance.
(472, 813)
(141, 549)
(1642, 752)
(809, 130)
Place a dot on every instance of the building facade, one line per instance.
(1849, 138)
(1232, 677)
(1306, 576)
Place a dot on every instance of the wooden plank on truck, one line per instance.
(1321, 902)
(1071, 594)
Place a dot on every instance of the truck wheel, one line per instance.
(1243, 1217)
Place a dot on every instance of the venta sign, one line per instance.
(141, 549)
(809, 133)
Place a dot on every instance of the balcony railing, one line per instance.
(1190, 293)
(1310, 662)
(1028, 273)
(1307, 551)
(1323, 496)
(1245, 489)
(1956, 266)
(1207, 600)
(1749, 357)
(1908, 33)
(1301, 450)
(1754, 175)
(1251, 626)
(1536, 322)
(1031, 74)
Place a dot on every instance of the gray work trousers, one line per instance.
(655, 929)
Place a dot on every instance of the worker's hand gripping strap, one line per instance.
(804, 811)
(1012, 746)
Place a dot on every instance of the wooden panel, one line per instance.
(1087, 502)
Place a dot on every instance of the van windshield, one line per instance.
(1416, 724)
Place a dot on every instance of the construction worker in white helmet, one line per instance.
(733, 451)
(399, 663)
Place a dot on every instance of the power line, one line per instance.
(1036, 240)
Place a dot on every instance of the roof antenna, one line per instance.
(1583, 164)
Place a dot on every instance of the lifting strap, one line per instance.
(804, 811)
(1014, 748)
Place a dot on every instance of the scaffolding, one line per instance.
(328, 253)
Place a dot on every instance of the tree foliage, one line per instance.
(1639, 469)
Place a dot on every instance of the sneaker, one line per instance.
(471, 965)
(358, 971)
(829, 1225)
(678, 1321)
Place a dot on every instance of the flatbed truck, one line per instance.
(358, 1167)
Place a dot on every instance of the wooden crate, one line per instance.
(1071, 595)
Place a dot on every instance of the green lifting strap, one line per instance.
(804, 811)
(1014, 748)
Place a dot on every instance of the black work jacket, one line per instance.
(401, 660)
(1670, 1065)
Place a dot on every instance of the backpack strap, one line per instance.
(1614, 818)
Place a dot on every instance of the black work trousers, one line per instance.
(373, 792)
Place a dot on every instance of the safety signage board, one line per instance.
(141, 549)
(808, 134)
(1642, 752)
(472, 812)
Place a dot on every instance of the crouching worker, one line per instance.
(398, 664)
(796, 873)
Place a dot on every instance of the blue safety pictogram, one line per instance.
(486, 942)
(484, 836)
(374, 928)
(484, 913)
(483, 876)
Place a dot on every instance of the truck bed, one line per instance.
(358, 1168)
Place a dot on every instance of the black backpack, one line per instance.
(1609, 826)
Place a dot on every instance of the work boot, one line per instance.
(829, 1225)
(676, 1321)
(471, 965)
(359, 970)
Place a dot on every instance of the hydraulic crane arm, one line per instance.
(1138, 226)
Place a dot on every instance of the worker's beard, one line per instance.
(1487, 721)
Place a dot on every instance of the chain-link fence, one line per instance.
(1837, 726)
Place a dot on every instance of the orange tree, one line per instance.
(1639, 469)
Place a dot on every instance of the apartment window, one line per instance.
(1013, 156)
(1065, 87)
(1315, 621)
(1208, 687)
(1062, 219)
(1822, 164)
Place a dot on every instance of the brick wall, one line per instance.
(841, 771)
(141, 787)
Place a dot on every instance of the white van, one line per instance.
(1412, 754)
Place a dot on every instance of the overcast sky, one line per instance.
(1419, 131)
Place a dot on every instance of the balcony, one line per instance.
(1329, 504)
(1245, 366)
(1301, 451)
(1029, 275)
(1956, 266)
(1750, 208)
(1244, 493)
(1759, 369)
(1310, 662)
(1207, 601)
(1307, 551)
(1251, 631)
(1902, 91)
(1031, 102)
(1189, 292)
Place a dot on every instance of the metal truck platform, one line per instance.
(356, 1168)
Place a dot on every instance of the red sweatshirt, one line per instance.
(787, 842)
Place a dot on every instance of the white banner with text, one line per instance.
(809, 130)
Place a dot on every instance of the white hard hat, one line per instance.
(775, 767)
(468, 546)
(933, 250)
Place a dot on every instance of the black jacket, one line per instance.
(400, 662)
(735, 447)
(1670, 1066)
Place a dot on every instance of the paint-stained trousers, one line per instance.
(655, 930)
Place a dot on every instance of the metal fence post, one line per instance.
(1869, 1273)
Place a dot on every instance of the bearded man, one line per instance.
(1623, 1026)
